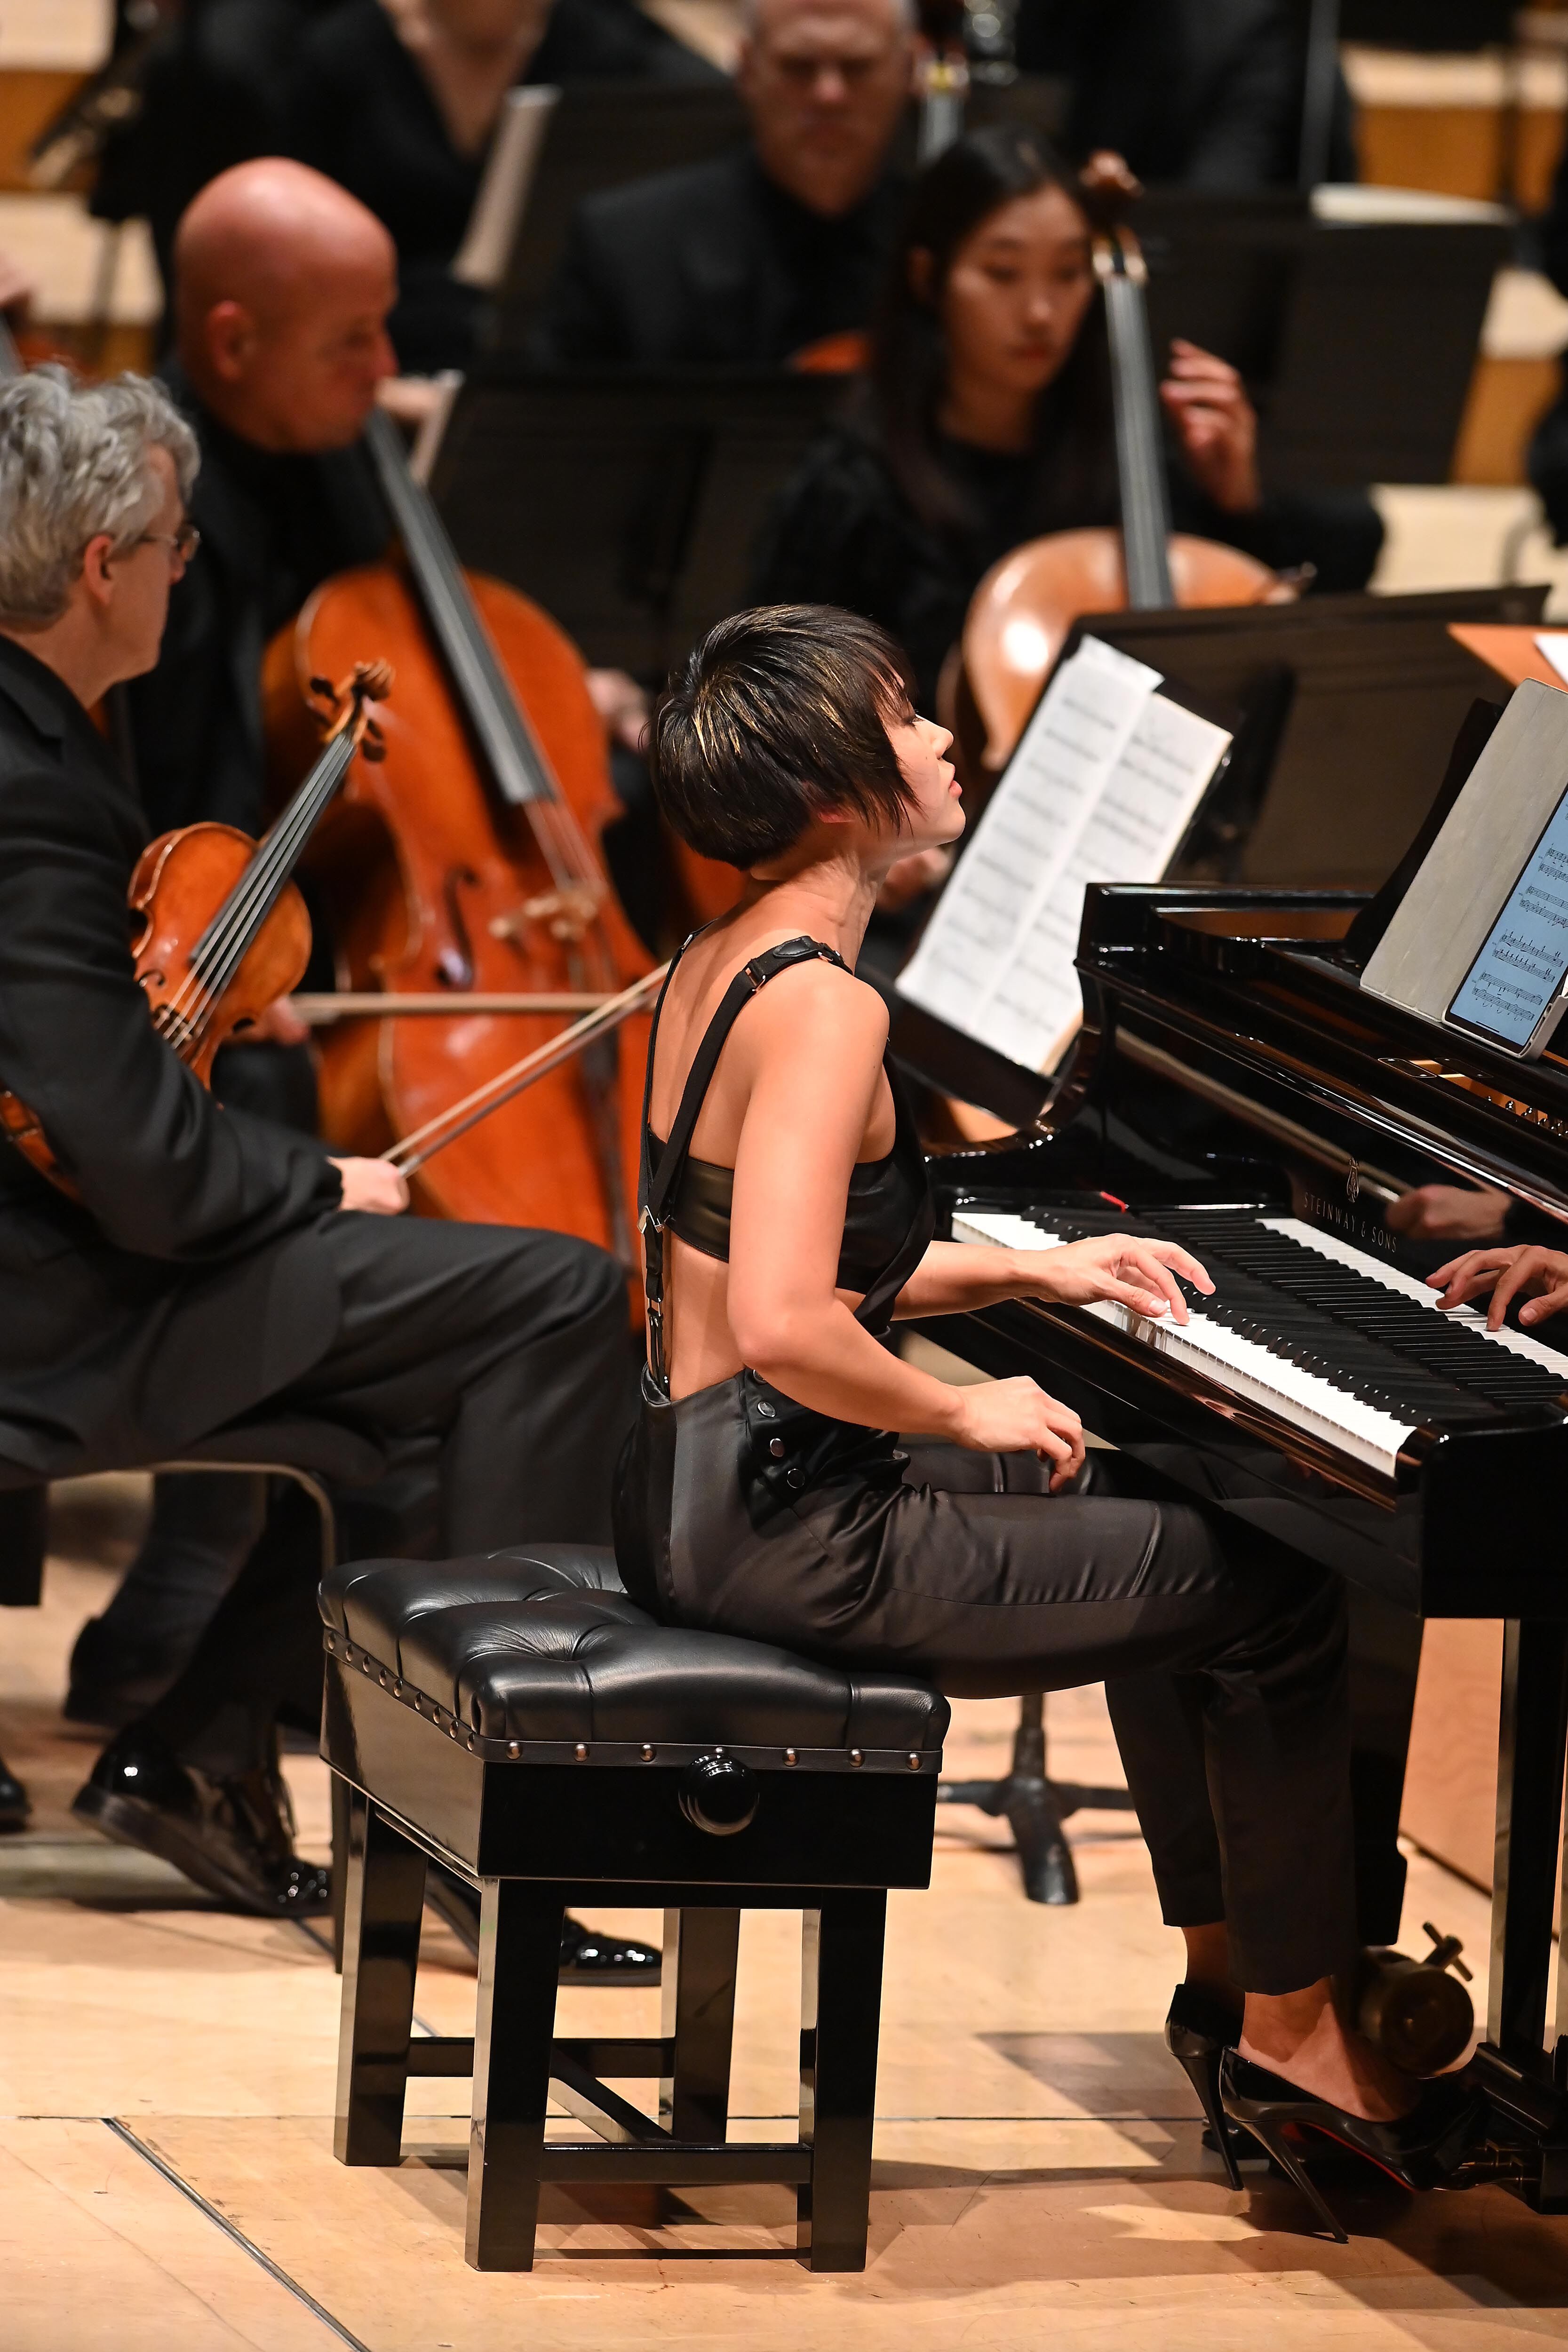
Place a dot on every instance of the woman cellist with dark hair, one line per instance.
(987, 420)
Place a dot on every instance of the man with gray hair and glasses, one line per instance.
(216, 1274)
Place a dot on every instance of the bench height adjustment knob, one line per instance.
(720, 1794)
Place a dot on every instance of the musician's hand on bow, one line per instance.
(373, 1185)
(1017, 1417)
(1540, 1274)
(276, 1024)
(1217, 426)
(1448, 1212)
(1141, 1274)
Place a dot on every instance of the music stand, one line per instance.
(1378, 349)
(1356, 331)
(1374, 690)
(627, 505)
(600, 135)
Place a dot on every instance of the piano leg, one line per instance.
(1532, 1737)
(1385, 1658)
(1527, 2084)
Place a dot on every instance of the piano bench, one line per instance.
(519, 1718)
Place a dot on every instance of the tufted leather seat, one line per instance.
(537, 1653)
(521, 1720)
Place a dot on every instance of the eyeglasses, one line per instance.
(185, 542)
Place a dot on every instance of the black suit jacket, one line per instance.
(361, 110)
(1207, 92)
(191, 1282)
(711, 266)
(272, 529)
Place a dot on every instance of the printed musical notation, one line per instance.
(1103, 788)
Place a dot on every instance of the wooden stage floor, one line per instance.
(166, 2074)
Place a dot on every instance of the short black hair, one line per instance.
(780, 713)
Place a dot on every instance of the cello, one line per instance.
(466, 866)
(1020, 614)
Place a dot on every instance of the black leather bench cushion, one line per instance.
(542, 1645)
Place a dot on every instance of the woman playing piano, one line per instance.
(787, 1222)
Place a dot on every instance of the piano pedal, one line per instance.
(1419, 2016)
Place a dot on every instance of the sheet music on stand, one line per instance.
(1103, 787)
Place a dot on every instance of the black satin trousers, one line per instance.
(1224, 1656)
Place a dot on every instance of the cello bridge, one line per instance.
(568, 914)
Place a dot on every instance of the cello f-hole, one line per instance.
(454, 964)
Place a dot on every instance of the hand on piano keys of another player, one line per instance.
(1506, 1272)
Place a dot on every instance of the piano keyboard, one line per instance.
(1340, 1345)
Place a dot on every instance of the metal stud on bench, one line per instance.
(519, 1718)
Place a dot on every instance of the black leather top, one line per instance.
(542, 1650)
(889, 1216)
(885, 1197)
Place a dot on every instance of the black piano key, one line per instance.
(1325, 1319)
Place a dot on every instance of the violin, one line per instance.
(466, 866)
(1021, 612)
(222, 930)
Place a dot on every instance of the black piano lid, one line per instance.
(1250, 990)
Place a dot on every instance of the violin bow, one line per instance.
(411, 1151)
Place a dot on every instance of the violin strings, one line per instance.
(219, 953)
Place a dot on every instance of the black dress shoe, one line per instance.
(587, 1957)
(230, 1836)
(14, 1804)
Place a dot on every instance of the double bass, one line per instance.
(466, 866)
(1020, 614)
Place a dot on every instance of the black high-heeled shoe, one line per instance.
(1199, 2029)
(1419, 2151)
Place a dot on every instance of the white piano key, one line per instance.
(1246, 1367)
(1517, 1343)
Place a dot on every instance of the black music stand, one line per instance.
(627, 505)
(1350, 705)
(1378, 349)
(1357, 337)
(600, 135)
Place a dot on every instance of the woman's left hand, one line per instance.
(1217, 424)
(1137, 1274)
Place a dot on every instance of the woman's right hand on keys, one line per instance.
(1017, 1417)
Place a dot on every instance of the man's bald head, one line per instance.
(282, 284)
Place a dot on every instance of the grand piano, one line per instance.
(1234, 1090)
